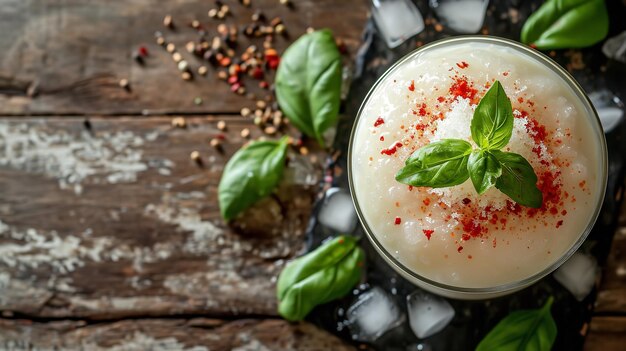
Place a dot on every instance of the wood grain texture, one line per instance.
(75, 52)
(606, 334)
(199, 334)
(612, 292)
(120, 222)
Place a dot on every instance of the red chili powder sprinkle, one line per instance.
(420, 126)
(539, 133)
(382, 138)
(505, 73)
(410, 187)
(379, 121)
(459, 249)
(520, 99)
(462, 64)
(463, 89)
(398, 221)
(426, 201)
(559, 223)
(422, 110)
(472, 228)
(412, 86)
(466, 201)
(441, 99)
(428, 233)
(392, 149)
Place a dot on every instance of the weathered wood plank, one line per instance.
(612, 291)
(75, 52)
(121, 222)
(198, 334)
(606, 334)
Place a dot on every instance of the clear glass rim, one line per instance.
(595, 121)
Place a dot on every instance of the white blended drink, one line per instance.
(452, 240)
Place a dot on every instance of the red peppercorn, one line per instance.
(273, 63)
(143, 51)
(225, 61)
(257, 73)
(398, 220)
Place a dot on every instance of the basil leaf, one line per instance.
(250, 175)
(325, 274)
(518, 179)
(439, 164)
(484, 169)
(492, 123)
(560, 24)
(530, 330)
(308, 83)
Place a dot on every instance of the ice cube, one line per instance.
(397, 20)
(300, 171)
(610, 117)
(615, 47)
(337, 212)
(372, 315)
(419, 347)
(428, 314)
(463, 16)
(610, 108)
(578, 274)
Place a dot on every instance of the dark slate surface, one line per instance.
(474, 319)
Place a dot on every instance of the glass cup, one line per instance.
(471, 293)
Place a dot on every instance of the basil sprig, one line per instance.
(530, 330)
(492, 123)
(563, 24)
(250, 175)
(450, 162)
(440, 164)
(308, 84)
(325, 274)
(518, 179)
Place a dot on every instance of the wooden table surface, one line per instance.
(110, 238)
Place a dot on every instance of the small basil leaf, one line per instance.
(561, 24)
(530, 330)
(518, 179)
(484, 169)
(439, 164)
(308, 83)
(492, 123)
(250, 175)
(325, 274)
